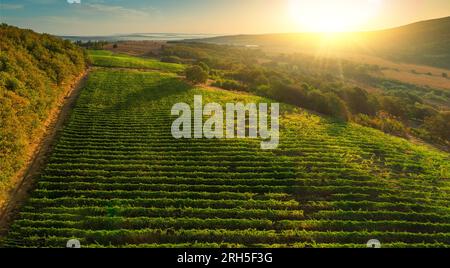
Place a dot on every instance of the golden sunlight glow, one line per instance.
(332, 15)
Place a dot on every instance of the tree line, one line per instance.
(34, 71)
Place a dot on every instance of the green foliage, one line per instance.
(229, 84)
(196, 74)
(384, 122)
(34, 70)
(439, 126)
(93, 45)
(357, 100)
(204, 66)
(105, 58)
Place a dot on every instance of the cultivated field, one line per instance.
(109, 59)
(117, 178)
(136, 48)
(420, 75)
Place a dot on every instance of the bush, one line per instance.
(289, 94)
(337, 107)
(393, 105)
(383, 121)
(229, 85)
(196, 74)
(439, 126)
(421, 111)
(357, 100)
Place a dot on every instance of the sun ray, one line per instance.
(332, 15)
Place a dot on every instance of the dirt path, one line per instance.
(26, 181)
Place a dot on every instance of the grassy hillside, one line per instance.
(104, 58)
(118, 178)
(35, 70)
(424, 42)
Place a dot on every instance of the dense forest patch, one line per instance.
(35, 70)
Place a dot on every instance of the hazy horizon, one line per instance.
(219, 34)
(119, 17)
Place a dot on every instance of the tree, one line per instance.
(336, 106)
(357, 100)
(393, 105)
(196, 74)
(421, 111)
(439, 125)
(204, 66)
(445, 75)
(317, 102)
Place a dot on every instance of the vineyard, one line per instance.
(105, 58)
(117, 178)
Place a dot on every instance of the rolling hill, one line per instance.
(117, 178)
(426, 42)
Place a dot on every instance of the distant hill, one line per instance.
(137, 37)
(426, 42)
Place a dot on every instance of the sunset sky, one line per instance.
(103, 17)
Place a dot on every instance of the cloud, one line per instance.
(74, 1)
(118, 10)
(10, 6)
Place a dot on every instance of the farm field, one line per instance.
(117, 177)
(136, 48)
(420, 75)
(104, 58)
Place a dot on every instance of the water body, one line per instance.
(140, 37)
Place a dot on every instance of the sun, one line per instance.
(332, 15)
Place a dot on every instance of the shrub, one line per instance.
(393, 105)
(204, 66)
(439, 126)
(196, 74)
(337, 107)
(357, 100)
(229, 85)
(383, 121)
